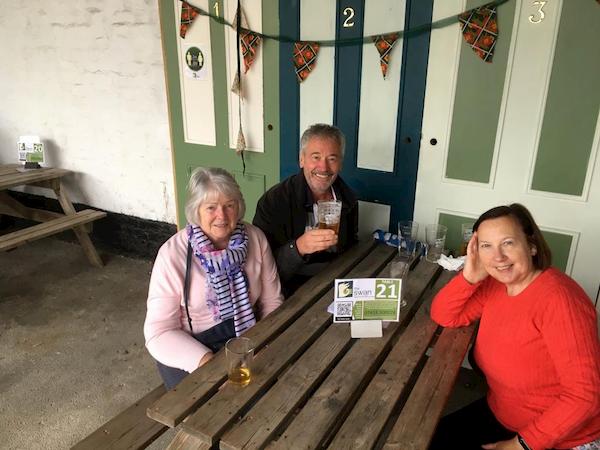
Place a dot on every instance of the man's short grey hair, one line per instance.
(323, 130)
(206, 183)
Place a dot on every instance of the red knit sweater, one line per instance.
(539, 351)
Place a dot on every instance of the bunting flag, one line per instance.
(480, 30)
(240, 145)
(384, 44)
(249, 42)
(305, 59)
(188, 14)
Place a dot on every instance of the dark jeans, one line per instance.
(469, 428)
(214, 338)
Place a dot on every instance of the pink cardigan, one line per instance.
(166, 330)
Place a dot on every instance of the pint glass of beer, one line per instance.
(239, 352)
(329, 212)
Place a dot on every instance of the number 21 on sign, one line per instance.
(387, 289)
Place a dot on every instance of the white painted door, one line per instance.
(533, 115)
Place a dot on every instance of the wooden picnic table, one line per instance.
(314, 386)
(12, 175)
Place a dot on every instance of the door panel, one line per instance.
(379, 96)
(570, 222)
(316, 92)
(252, 81)
(198, 124)
(381, 124)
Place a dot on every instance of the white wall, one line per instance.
(87, 77)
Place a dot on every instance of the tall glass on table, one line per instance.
(408, 245)
(435, 235)
(239, 352)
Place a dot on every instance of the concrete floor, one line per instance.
(71, 345)
(72, 350)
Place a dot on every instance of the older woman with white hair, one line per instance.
(211, 281)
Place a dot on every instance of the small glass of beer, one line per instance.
(466, 232)
(329, 212)
(239, 352)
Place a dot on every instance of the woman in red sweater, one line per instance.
(537, 343)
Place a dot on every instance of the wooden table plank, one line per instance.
(15, 178)
(196, 388)
(9, 168)
(44, 229)
(124, 430)
(421, 414)
(292, 389)
(212, 418)
(324, 412)
(185, 441)
(11, 207)
(369, 416)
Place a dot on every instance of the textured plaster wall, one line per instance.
(87, 77)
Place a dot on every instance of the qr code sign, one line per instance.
(343, 309)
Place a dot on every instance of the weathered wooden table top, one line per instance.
(10, 176)
(314, 386)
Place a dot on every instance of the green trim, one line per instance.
(270, 51)
(572, 103)
(560, 245)
(454, 235)
(187, 156)
(477, 105)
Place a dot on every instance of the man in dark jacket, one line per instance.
(287, 212)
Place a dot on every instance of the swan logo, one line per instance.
(345, 289)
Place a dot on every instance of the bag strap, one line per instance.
(186, 285)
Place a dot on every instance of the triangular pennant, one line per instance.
(188, 14)
(236, 87)
(305, 58)
(241, 142)
(249, 42)
(243, 23)
(384, 44)
(480, 30)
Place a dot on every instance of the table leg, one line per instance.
(11, 207)
(80, 231)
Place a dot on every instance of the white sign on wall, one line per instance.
(195, 61)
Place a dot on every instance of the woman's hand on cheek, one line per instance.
(474, 271)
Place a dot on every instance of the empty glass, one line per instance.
(399, 269)
(435, 235)
(407, 239)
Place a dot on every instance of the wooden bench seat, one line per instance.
(41, 230)
(131, 429)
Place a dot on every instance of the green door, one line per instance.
(203, 129)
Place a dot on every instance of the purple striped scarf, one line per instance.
(226, 277)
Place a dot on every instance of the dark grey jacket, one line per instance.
(281, 213)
